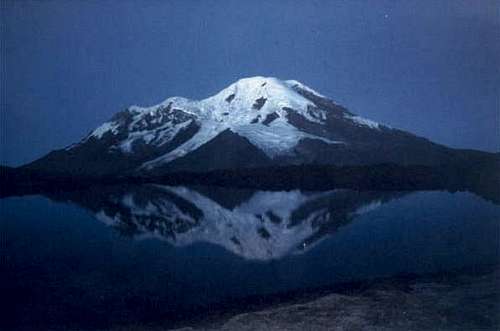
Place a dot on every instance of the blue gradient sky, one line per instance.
(430, 67)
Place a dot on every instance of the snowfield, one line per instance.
(255, 108)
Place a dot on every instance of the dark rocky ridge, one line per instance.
(227, 150)
(97, 157)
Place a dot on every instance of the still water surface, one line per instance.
(113, 255)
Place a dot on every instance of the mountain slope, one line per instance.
(255, 122)
(226, 150)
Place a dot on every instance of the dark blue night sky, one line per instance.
(430, 67)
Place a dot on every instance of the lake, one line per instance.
(125, 254)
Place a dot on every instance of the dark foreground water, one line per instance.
(146, 254)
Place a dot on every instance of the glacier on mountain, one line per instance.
(255, 108)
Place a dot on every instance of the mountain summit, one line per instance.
(254, 122)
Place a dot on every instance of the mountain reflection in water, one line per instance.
(76, 260)
(259, 225)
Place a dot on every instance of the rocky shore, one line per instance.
(465, 302)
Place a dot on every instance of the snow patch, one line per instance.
(106, 127)
(294, 83)
(363, 121)
(277, 138)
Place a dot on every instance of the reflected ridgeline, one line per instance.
(258, 225)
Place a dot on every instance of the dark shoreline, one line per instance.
(203, 318)
(384, 177)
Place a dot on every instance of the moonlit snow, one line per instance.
(242, 107)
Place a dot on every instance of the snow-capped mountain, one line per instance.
(259, 225)
(255, 122)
